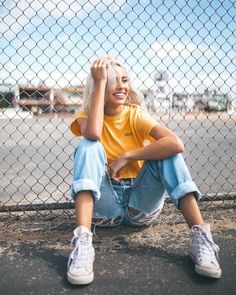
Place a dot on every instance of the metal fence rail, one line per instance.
(180, 55)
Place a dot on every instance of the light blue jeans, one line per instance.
(145, 193)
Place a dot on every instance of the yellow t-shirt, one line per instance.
(126, 131)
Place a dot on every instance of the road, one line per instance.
(36, 155)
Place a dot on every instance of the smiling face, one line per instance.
(117, 90)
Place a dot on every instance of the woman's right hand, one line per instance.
(99, 70)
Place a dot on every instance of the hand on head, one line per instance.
(99, 69)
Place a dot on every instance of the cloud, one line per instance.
(190, 65)
(15, 17)
(17, 14)
(176, 49)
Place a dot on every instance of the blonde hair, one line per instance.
(134, 97)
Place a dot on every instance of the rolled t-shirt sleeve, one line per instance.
(74, 127)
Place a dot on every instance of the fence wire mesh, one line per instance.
(181, 55)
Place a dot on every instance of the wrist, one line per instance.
(100, 82)
(128, 156)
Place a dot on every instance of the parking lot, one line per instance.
(36, 155)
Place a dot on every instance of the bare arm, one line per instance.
(91, 128)
(166, 145)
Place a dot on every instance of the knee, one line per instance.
(87, 146)
(90, 154)
(177, 158)
(172, 164)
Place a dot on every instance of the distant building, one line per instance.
(231, 103)
(159, 96)
(41, 98)
(215, 101)
(183, 102)
(35, 99)
(68, 99)
(206, 101)
(7, 95)
(199, 102)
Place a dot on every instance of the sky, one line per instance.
(194, 42)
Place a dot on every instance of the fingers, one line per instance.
(99, 69)
(116, 179)
(100, 62)
(113, 172)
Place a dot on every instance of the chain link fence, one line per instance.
(180, 54)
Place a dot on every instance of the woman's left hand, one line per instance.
(116, 166)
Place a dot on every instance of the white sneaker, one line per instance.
(204, 252)
(80, 264)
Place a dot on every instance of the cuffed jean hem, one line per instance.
(182, 190)
(85, 185)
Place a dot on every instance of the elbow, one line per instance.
(179, 145)
(95, 138)
(92, 136)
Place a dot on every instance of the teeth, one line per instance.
(119, 94)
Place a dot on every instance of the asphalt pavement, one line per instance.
(150, 260)
(36, 155)
(34, 248)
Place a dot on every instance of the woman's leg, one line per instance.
(89, 169)
(172, 174)
(178, 181)
(84, 208)
(184, 194)
(182, 190)
(175, 177)
(108, 210)
(92, 190)
(190, 210)
(145, 196)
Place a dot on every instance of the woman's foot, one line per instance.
(80, 264)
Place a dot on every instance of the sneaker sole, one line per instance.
(81, 280)
(206, 272)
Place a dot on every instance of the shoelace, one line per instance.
(206, 246)
(80, 256)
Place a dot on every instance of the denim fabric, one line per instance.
(145, 193)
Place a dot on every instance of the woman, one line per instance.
(123, 167)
